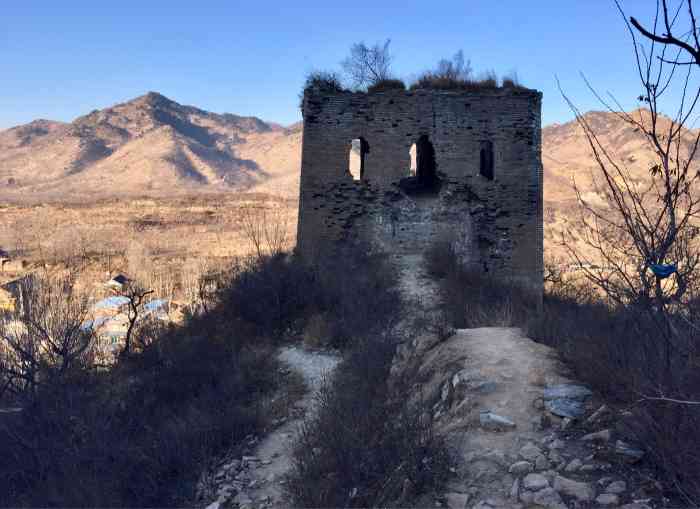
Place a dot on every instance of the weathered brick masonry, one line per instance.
(497, 222)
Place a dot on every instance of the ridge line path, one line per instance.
(257, 480)
(501, 402)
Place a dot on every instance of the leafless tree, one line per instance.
(265, 227)
(641, 237)
(686, 43)
(46, 337)
(368, 65)
(646, 222)
(136, 295)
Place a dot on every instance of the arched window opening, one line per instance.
(425, 163)
(358, 149)
(486, 160)
(422, 172)
(412, 164)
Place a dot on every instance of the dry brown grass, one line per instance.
(103, 237)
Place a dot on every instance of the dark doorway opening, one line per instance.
(486, 160)
(425, 179)
(358, 149)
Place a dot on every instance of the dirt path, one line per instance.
(257, 480)
(500, 400)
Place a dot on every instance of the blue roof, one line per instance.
(155, 304)
(97, 322)
(111, 302)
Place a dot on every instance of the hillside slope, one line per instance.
(152, 145)
(149, 145)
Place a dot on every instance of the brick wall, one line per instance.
(498, 222)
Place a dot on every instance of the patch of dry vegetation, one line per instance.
(387, 456)
(159, 241)
(619, 350)
(140, 432)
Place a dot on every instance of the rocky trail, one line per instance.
(257, 479)
(521, 432)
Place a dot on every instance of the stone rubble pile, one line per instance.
(564, 469)
(235, 482)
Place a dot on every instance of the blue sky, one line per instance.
(61, 59)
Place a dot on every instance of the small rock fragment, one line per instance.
(515, 489)
(535, 482)
(568, 391)
(571, 408)
(242, 499)
(616, 487)
(607, 499)
(530, 452)
(555, 456)
(495, 422)
(580, 490)
(631, 454)
(541, 463)
(548, 497)
(457, 500)
(526, 497)
(600, 436)
(604, 481)
(598, 415)
(574, 465)
(556, 444)
(520, 468)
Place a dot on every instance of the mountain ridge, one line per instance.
(154, 145)
(104, 151)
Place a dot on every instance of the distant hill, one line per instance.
(567, 157)
(149, 145)
(152, 145)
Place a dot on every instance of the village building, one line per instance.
(118, 282)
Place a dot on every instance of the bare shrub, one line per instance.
(269, 293)
(617, 351)
(388, 447)
(644, 240)
(456, 74)
(278, 294)
(387, 84)
(140, 433)
(199, 283)
(45, 340)
(473, 298)
(265, 228)
(361, 297)
(324, 81)
(138, 260)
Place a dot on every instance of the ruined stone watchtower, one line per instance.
(400, 169)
